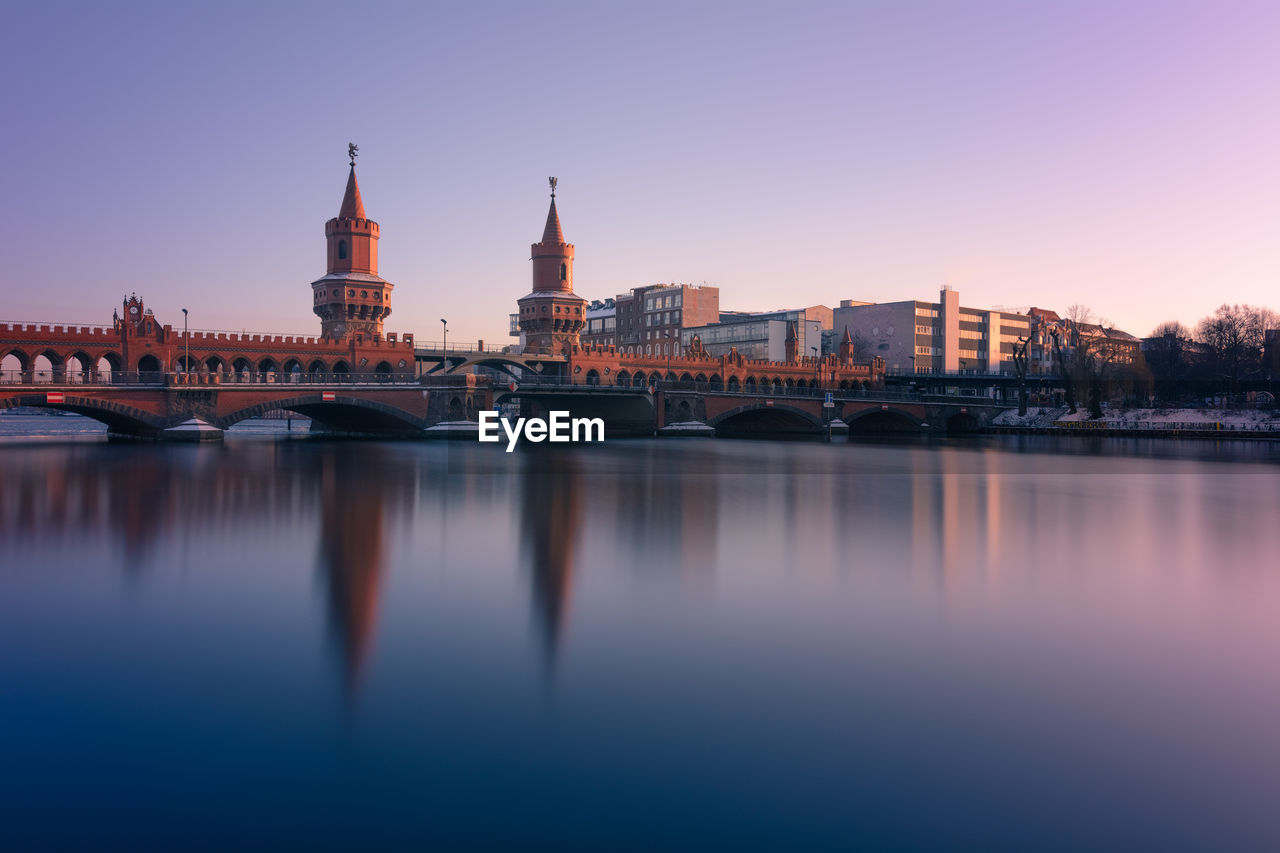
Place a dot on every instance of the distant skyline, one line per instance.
(1121, 155)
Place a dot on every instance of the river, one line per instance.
(1004, 643)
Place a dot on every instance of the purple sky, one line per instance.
(1121, 155)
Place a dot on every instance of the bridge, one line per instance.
(146, 406)
(149, 406)
(764, 412)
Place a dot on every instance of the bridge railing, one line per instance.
(533, 384)
(143, 377)
(464, 348)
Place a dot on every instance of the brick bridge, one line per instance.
(366, 405)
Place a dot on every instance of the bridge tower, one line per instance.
(351, 299)
(551, 316)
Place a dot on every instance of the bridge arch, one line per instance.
(733, 386)
(119, 418)
(214, 364)
(622, 377)
(639, 380)
(109, 366)
(349, 414)
(46, 366)
(150, 370)
(962, 422)
(881, 419)
(80, 367)
(13, 364)
(763, 419)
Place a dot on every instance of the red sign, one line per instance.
(512, 385)
(768, 402)
(884, 408)
(963, 410)
(53, 397)
(328, 397)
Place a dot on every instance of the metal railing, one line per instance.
(464, 348)
(535, 384)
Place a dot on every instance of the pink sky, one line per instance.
(1119, 155)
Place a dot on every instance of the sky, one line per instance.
(1120, 155)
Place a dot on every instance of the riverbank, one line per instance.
(1172, 423)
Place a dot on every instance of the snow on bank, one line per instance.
(1248, 419)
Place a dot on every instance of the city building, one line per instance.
(1109, 344)
(650, 319)
(940, 337)
(602, 319)
(763, 339)
(810, 323)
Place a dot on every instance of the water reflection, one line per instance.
(550, 527)
(352, 550)
(770, 631)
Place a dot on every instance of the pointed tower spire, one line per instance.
(351, 298)
(352, 204)
(791, 343)
(552, 232)
(551, 315)
(846, 346)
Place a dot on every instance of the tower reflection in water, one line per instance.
(550, 524)
(352, 553)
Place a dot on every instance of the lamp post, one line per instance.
(186, 340)
(668, 346)
(445, 324)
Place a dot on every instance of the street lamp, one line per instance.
(445, 323)
(186, 340)
(667, 347)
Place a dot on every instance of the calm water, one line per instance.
(999, 644)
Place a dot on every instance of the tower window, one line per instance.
(342, 250)
(564, 272)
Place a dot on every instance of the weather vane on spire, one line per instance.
(552, 181)
(352, 148)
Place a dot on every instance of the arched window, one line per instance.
(564, 272)
(342, 250)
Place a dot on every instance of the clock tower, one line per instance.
(351, 299)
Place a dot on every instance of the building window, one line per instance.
(564, 272)
(342, 250)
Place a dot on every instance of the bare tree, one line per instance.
(1167, 354)
(1234, 335)
(1090, 354)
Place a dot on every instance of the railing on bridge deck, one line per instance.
(467, 348)
(532, 384)
(135, 377)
